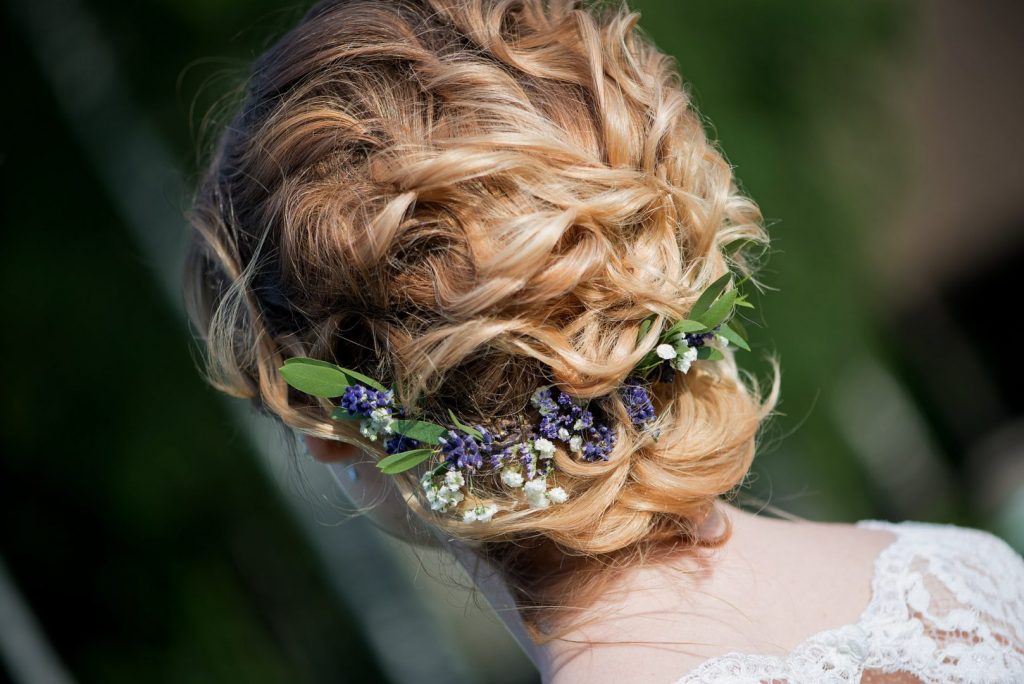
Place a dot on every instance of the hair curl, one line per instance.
(468, 199)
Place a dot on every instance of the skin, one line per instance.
(771, 586)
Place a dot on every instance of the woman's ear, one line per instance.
(330, 450)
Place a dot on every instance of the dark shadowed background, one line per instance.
(152, 531)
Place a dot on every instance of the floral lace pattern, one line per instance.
(947, 605)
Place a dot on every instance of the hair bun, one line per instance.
(474, 199)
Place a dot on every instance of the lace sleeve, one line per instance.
(947, 605)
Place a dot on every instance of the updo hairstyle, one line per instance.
(467, 199)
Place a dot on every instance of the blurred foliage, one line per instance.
(794, 94)
(136, 523)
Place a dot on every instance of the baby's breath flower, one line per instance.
(544, 447)
(576, 443)
(512, 478)
(444, 496)
(557, 495)
(666, 351)
(454, 479)
(723, 341)
(535, 491)
(482, 513)
(683, 362)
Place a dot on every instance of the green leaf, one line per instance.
(319, 378)
(472, 431)
(738, 244)
(684, 325)
(645, 325)
(403, 460)
(351, 374)
(735, 324)
(709, 354)
(741, 300)
(734, 337)
(719, 310)
(420, 430)
(649, 358)
(359, 377)
(709, 295)
(343, 414)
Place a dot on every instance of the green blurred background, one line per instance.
(152, 531)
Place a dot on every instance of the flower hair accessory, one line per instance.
(519, 457)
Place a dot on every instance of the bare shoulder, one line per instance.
(772, 586)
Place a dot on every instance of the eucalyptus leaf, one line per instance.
(319, 378)
(471, 431)
(734, 337)
(403, 460)
(685, 325)
(719, 310)
(736, 245)
(311, 362)
(740, 329)
(419, 430)
(707, 297)
(359, 377)
(645, 325)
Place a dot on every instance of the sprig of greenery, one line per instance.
(716, 306)
(328, 380)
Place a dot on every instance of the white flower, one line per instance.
(444, 498)
(379, 421)
(578, 425)
(576, 443)
(563, 434)
(666, 351)
(558, 495)
(535, 493)
(682, 363)
(512, 478)
(366, 429)
(482, 513)
(454, 479)
(723, 340)
(544, 447)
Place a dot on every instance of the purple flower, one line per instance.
(562, 418)
(638, 401)
(361, 400)
(700, 339)
(462, 450)
(543, 401)
(600, 445)
(397, 443)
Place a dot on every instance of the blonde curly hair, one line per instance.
(468, 199)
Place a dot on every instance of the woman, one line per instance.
(483, 251)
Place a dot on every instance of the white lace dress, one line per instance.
(947, 605)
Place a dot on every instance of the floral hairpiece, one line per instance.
(522, 457)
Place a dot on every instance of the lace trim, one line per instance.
(947, 605)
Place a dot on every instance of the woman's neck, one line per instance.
(490, 583)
